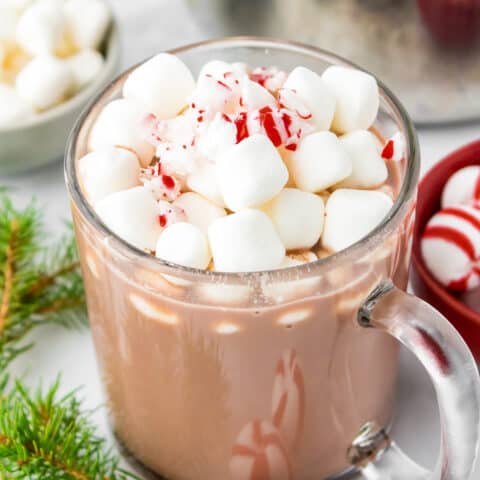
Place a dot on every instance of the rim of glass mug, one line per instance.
(374, 238)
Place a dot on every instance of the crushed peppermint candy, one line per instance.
(270, 78)
(162, 185)
(169, 214)
(394, 148)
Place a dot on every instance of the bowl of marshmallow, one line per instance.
(446, 250)
(55, 55)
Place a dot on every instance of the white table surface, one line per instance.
(162, 24)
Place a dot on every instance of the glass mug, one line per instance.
(270, 375)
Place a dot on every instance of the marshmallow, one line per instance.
(254, 96)
(288, 398)
(44, 82)
(87, 21)
(357, 98)
(369, 169)
(133, 216)
(162, 85)
(250, 173)
(8, 22)
(260, 454)
(203, 180)
(314, 94)
(85, 66)
(184, 244)
(298, 217)
(41, 28)
(320, 162)
(394, 148)
(463, 187)
(13, 109)
(215, 68)
(219, 136)
(351, 215)
(245, 242)
(451, 247)
(120, 124)
(198, 210)
(107, 171)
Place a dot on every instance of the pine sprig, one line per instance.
(38, 285)
(43, 436)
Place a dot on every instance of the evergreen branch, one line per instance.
(46, 437)
(8, 274)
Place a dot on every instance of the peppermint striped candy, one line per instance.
(463, 187)
(288, 399)
(260, 454)
(451, 247)
(394, 148)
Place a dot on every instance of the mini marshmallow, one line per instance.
(133, 216)
(215, 68)
(357, 98)
(204, 181)
(107, 171)
(254, 96)
(463, 187)
(162, 85)
(314, 94)
(120, 124)
(87, 21)
(451, 247)
(351, 215)
(44, 82)
(184, 244)
(198, 210)
(13, 109)
(298, 217)
(41, 28)
(319, 162)
(218, 137)
(245, 242)
(250, 173)
(85, 66)
(369, 169)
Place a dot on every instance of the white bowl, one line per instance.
(42, 140)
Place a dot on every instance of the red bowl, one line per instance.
(465, 320)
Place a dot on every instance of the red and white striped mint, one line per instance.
(463, 187)
(260, 454)
(451, 247)
(169, 213)
(271, 78)
(394, 148)
(288, 399)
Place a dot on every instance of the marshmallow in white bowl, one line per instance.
(85, 66)
(315, 95)
(298, 217)
(184, 244)
(450, 247)
(198, 210)
(463, 187)
(132, 215)
(250, 173)
(41, 28)
(162, 85)
(13, 109)
(369, 169)
(351, 215)
(203, 180)
(87, 21)
(319, 162)
(107, 171)
(245, 242)
(44, 82)
(357, 98)
(120, 124)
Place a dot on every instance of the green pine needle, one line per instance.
(47, 437)
(38, 285)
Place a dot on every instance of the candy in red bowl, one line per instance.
(462, 308)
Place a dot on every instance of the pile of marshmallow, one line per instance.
(242, 169)
(451, 239)
(48, 53)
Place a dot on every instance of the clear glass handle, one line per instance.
(454, 374)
